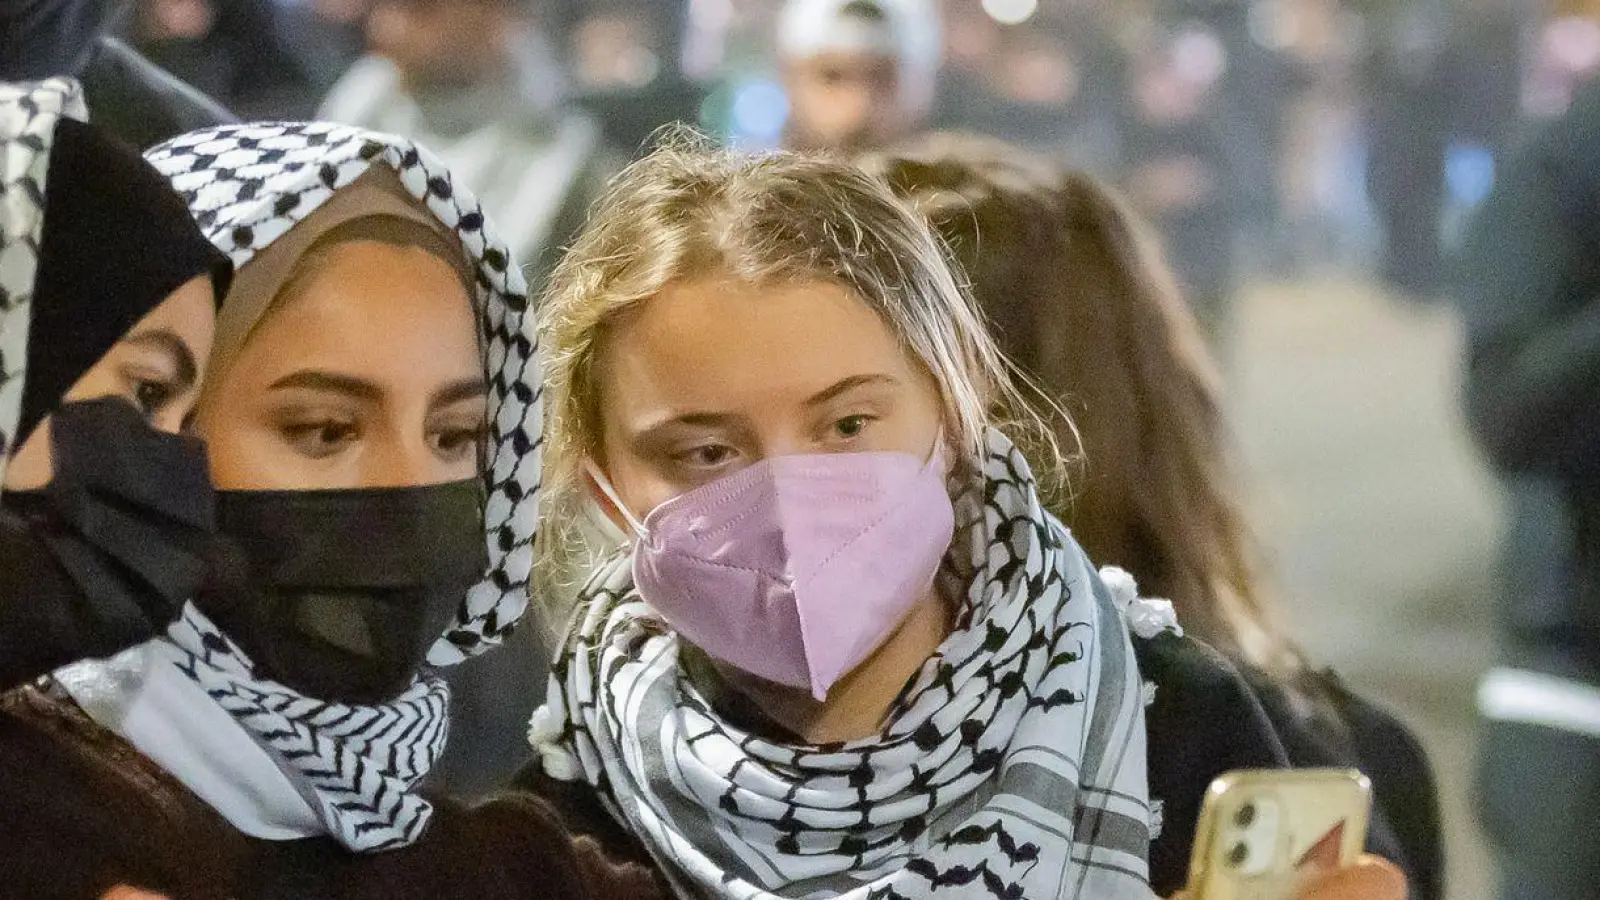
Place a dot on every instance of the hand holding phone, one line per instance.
(1264, 834)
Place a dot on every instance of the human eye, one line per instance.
(152, 396)
(851, 427)
(460, 442)
(706, 456)
(319, 437)
(151, 387)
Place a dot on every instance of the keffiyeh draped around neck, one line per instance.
(1013, 767)
(359, 766)
(28, 116)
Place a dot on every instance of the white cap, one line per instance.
(907, 30)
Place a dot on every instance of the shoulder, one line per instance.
(142, 102)
(94, 812)
(1204, 720)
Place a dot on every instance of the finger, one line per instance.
(123, 892)
(1368, 878)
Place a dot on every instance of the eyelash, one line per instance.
(863, 418)
(835, 432)
(141, 391)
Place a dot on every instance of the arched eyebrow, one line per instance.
(846, 385)
(457, 391)
(332, 382)
(168, 342)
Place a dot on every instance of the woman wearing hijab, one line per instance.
(373, 335)
(105, 511)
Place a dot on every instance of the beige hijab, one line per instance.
(375, 206)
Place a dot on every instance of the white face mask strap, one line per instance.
(604, 483)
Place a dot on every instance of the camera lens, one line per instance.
(1238, 854)
(1245, 815)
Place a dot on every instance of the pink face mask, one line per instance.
(796, 568)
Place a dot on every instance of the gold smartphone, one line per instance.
(1262, 831)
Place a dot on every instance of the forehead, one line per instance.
(368, 302)
(722, 345)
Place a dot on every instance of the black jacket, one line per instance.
(1209, 718)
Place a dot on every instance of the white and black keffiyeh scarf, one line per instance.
(248, 185)
(28, 116)
(1013, 767)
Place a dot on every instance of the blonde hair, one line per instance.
(688, 210)
(1082, 299)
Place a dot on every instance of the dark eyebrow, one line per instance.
(309, 379)
(168, 342)
(850, 384)
(656, 431)
(457, 391)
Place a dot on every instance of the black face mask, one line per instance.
(340, 594)
(128, 514)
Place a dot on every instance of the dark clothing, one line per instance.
(139, 101)
(49, 621)
(1205, 720)
(243, 60)
(127, 95)
(1330, 727)
(1529, 287)
(84, 811)
(1208, 718)
(1198, 238)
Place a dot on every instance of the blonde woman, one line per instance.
(847, 652)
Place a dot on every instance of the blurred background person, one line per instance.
(1409, 101)
(1055, 86)
(233, 50)
(858, 73)
(1177, 164)
(477, 82)
(625, 61)
(1530, 289)
(481, 84)
(127, 94)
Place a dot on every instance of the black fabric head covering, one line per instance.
(117, 241)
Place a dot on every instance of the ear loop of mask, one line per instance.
(604, 483)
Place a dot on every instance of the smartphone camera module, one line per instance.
(1251, 836)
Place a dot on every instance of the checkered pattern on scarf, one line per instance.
(1014, 766)
(28, 116)
(247, 186)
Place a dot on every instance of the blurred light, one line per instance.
(1574, 43)
(1199, 56)
(1469, 172)
(1010, 12)
(1273, 24)
(759, 110)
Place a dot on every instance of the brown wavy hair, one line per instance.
(1080, 298)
